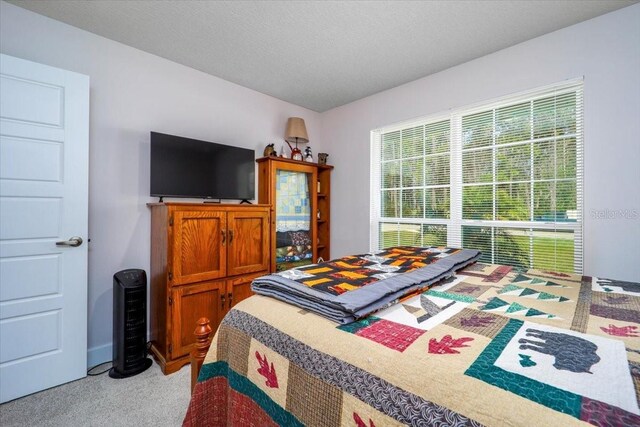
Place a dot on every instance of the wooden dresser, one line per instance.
(203, 259)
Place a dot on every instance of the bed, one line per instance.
(488, 345)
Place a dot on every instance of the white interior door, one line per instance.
(44, 134)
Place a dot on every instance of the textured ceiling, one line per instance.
(320, 54)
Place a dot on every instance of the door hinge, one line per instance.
(222, 299)
(170, 300)
(230, 295)
(171, 220)
(170, 275)
(170, 348)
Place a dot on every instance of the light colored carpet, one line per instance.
(147, 399)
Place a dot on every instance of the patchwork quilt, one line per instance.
(293, 209)
(492, 346)
(349, 288)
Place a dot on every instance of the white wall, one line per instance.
(132, 93)
(605, 50)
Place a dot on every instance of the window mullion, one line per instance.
(531, 192)
(424, 182)
(401, 187)
(454, 231)
(578, 234)
(375, 191)
(493, 185)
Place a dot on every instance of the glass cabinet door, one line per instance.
(293, 221)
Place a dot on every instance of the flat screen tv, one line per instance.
(184, 167)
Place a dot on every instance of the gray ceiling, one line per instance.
(320, 54)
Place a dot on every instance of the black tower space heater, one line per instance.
(129, 323)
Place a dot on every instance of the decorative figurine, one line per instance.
(283, 155)
(269, 150)
(308, 157)
(322, 158)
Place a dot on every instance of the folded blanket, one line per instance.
(294, 253)
(292, 238)
(349, 288)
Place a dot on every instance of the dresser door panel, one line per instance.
(190, 303)
(199, 246)
(239, 288)
(247, 243)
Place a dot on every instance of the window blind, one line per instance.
(412, 185)
(504, 177)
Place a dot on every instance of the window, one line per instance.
(505, 178)
(414, 185)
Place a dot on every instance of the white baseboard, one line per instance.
(99, 354)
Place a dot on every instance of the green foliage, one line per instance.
(513, 123)
(477, 202)
(519, 163)
(478, 238)
(412, 235)
(512, 202)
(518, 248)
(412, 203)
(553, 254)
(437, 203)
(511, 249)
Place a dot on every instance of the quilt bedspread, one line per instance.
(491, 346)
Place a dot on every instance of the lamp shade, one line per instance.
(296, 130)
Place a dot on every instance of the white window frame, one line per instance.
(456, 222)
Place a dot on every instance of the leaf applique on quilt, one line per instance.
(269, 372)
(610, 299)
(447, 345)
(468, 289)
(360, 422)
(477, 321)
(621, 331)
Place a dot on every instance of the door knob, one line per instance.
(75, 241)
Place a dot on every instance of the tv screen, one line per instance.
(184, 167)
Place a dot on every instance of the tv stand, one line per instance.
(245, 201)
(161, 199)
(203, 260)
